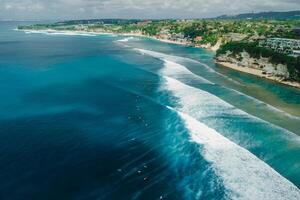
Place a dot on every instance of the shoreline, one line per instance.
(152, 37)
(248, 70)
(258, 73)
(53, 31)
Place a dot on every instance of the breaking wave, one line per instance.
(67, 33)
(172, 68)
(127, 39)
(243, 174)
(178, 58)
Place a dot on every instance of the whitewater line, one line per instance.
(162, 56)
(196, 98)
(67, 33)
(176, 68)
(244, 175)
(126, 39)
(175, 65)
(265, 104)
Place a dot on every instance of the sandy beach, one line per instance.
(258, 73)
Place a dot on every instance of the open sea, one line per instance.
(112, 117)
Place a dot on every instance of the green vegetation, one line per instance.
(209, 30)
(293, 63)
(264, 15)
(237, 35)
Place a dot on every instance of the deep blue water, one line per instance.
(98, 117)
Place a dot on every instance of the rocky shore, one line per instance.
(261, 67)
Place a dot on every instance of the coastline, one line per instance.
(287, 109)
(53, 31)
(248, 70)
(152, 37)
(258, 73)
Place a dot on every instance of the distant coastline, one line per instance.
(230, 65)
(51, 31)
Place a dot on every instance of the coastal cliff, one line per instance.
(243, 59)
(242, 44)
(259, 62)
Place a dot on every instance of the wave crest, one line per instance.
(243, 174)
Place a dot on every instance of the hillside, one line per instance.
(264, 15)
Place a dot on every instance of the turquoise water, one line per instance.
(100, 117)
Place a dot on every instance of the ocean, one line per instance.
(118, 117)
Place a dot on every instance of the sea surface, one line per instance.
(114, 117)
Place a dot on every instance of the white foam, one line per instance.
(165, 56)
(200, 103)
(127, 39)
(152, 53)
(67, 33)
(265, 104)
(243, 174)
(172, 68)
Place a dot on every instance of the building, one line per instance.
(198, 39)
(282, 45)
(296, 53)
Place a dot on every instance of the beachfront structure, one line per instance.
(282, 45)
(166, 35)
(198, 39)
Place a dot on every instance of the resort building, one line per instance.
(281, 45)
(198, 39)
